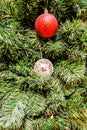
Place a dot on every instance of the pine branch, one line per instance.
(82, 9)
(12, 112)
(55, 50)
(17, 105)
(80, 116)
(71, 74)
(18, 47)
(73, 31)
(76, 55)
(28, 101)
(3, 67)
(31, 12)
(12, 9)
(27, 125)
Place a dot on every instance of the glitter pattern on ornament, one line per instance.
(43, 67)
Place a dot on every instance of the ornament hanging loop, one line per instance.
(45, 10)
(45, 5)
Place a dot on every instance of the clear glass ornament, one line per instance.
(43, 67)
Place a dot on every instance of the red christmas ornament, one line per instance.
(46, 25)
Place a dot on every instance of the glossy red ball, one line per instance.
(46, 25)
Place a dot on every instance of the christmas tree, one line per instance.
(29, 98)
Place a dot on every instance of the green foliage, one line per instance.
(12, 9)
(16, 46)
(32, 102)
(73, 31)
(54, 50)
(31, 12)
